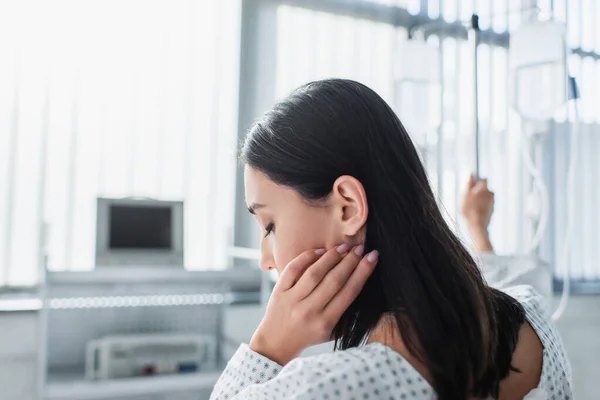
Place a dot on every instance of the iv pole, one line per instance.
(474, 36)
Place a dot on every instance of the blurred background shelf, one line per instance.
(75, 387)
(138, 302)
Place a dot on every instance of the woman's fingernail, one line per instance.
(373, 256)
(320, 252)
(359, 250)
(343, 248)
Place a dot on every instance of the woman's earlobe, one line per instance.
(361, 235)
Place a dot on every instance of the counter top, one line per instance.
(15, 300)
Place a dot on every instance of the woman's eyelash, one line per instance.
(269, 229)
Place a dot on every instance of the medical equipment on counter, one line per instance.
(126, 356)
(140, 232)
(81, 307)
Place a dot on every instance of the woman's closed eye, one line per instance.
(269, 229)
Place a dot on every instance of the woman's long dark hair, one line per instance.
(462, 330)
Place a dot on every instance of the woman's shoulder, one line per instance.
(556, 369)
(536, 313)
(533, 302)
(525, 294)
(536, 310)
(373, 371)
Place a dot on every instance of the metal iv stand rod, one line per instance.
(474, 36)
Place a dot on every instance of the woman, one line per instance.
(365, 258)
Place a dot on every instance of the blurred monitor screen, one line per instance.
(139, 232)
(140, 227)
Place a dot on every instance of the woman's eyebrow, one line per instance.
(255, 206)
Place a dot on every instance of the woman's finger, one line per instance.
(294, 270)
(311, 278)
(472, 182)
(342, 300)
(336, 279)
(481, 184)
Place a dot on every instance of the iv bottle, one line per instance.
(538, 67)
(418, 89)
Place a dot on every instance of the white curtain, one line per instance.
(584, 253)
(114, 99)
(316, 45)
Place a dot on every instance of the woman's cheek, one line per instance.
(294, 239)
(279, 256)
(284, 253)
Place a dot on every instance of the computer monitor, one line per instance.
(139, 232)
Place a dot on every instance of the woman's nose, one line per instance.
(266, 266)
(267, 262)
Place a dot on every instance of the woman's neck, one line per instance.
(386, 332)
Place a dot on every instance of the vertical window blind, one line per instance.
(114, 99)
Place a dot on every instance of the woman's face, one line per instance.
(289, 224)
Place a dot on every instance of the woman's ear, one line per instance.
(351, 208)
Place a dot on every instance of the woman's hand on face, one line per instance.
(311, 295)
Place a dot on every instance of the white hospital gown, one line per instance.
(375, 371)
